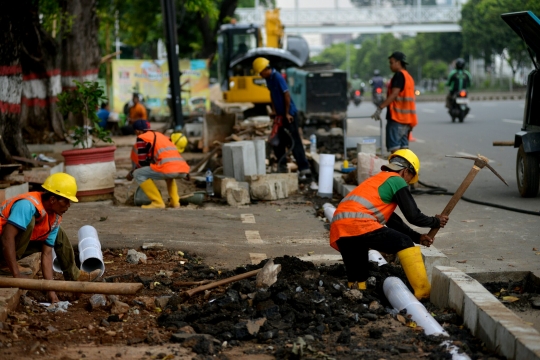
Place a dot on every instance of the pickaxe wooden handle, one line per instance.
(479, 163)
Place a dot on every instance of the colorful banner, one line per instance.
(150, 78)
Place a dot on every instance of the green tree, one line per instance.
(337, 56)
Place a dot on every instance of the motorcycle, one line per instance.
(459, 107)
(356, 97)
(377, 96)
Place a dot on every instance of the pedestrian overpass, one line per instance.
(364, 20)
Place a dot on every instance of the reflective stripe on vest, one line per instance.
(352, 215)
(44, 224)
(368, 205)
(403, 108)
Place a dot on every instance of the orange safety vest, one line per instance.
(45, 222)
(403, 108)
(165, 156)
(362, 211)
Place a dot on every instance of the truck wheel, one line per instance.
(527, 173)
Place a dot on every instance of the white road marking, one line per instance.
(467, 154)
(247, 218)
(253, 237)
(256, 258)
(510, 121)
(431, 111)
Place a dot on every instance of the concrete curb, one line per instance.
(486, 317)
(9, 297)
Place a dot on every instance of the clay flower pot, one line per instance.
(94, 169)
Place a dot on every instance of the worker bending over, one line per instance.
(360, 218)
(30, 223)
(155, 157)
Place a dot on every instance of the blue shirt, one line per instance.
(277, 86)
(21, 214)
(103, 115)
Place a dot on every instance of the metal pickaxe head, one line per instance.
(481, 162)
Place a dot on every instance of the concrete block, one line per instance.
(459, 285)
(346, 189)
(505, 338)
(528, 346)
(221, 183)
(238, 194)
(272, 186)
(260, 156)
(471, 310)
(440, 286)
(488, 324)
(238, 160)
(13, 191)
(433, 257)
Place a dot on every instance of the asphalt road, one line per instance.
(479, 234)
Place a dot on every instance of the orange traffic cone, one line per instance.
(411, 138)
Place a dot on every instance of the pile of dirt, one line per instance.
(307, 313)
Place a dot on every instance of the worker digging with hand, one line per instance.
(365, 219)
(30, 223)
(284, 114)
(155, 157)
(400, 100)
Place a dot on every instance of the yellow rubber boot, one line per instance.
(173, 193)
(359, 285)
(153, 194)
(413, 265)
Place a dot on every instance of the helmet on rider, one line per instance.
(460, 64)
(376, 72)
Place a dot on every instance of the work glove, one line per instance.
(377, 114)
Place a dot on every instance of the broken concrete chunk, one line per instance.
(353, 295)
(268, 274)
(238, 195)
(253, 326)
(152, 246)
(133, 257)
(146, 302)
(97, 300)
(119, 307)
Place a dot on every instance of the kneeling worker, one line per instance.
(155, 157)
(358, 223)
(30, 223)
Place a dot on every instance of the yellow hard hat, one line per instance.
(411, 158)
(259, 64)
(62, 184)
(180, 141)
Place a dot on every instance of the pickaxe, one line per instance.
(479, 163)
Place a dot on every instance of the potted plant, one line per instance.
(93, 167)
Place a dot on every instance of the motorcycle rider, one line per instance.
(458, 79)
(356, 84)
(377, 80)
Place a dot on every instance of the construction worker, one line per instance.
(458, 79)
(400, 100)
(30, 223)
(155, 157)
(284, 114)
(358, 223)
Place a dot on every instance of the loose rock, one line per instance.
(133, 257)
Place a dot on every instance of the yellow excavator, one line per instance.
(240, 44)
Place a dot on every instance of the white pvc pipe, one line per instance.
(329, 211)
(376, 256)
(326, 175)
(401, 298)
(90, 253)
(55, 264)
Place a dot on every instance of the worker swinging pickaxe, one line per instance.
(479, 162)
